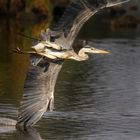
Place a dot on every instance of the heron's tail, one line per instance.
(7, 122)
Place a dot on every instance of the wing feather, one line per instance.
(76, 14)
(38, 95)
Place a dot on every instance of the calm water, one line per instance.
(96, 99)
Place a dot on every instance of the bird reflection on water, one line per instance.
(29, 133)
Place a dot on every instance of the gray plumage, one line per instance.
(39, 90)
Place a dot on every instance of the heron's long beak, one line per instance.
(115, 2)
(100, 51)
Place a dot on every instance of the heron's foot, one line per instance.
(18, 50)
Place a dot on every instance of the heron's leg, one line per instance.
(18, 50)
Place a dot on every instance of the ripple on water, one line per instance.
(98, 98)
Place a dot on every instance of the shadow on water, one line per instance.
(96, 99)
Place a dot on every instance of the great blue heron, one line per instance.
(38, 94)
(64, 54)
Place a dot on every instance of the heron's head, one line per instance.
(94, 50)
(115, 2)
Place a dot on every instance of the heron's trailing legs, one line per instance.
(42, 53)
(19, 51)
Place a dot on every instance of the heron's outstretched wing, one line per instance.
(38, 95)
(76, 14)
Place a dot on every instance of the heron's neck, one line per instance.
(82, 54)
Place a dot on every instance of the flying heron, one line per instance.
(48, 56)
